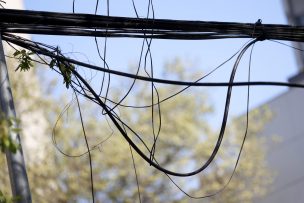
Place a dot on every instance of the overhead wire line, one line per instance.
(38, 48)
(41, 22)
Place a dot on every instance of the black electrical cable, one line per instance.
(136, 175)
(38, 22)
(88, 148)
(35, 47)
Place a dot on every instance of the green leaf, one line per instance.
(13, 147)
(17, 53)
(8, 125)
(7, 199)
(6, 143)
(16, 130)
(24, 59)
(52, 63)
(66, 71)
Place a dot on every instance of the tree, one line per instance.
(184, 142)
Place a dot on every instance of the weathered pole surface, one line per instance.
(15, 161)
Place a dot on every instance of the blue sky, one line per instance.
(271, 61)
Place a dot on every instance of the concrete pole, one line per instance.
(15, 162)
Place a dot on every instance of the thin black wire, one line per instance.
(103, 58)
(1, 4)
(67, 106)
(105, 54)
(88, 147)
(73, 6)
(134, 8)
(287, 45)
(136, 175)
(132, 156)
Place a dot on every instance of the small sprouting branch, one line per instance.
(25, 63)
(24, 59)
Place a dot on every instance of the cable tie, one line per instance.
(262, 36)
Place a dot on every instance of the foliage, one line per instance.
(6, 199)
(25, 62)
(65, 69)
(185, 141)
(24, 59)
(8, 125)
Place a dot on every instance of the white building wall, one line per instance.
(286, 155)
(13, 4)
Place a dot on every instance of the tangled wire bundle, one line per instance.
(33, 22)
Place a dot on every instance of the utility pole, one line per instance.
(15, 162)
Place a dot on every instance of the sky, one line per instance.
(270, 61)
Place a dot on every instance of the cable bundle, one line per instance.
(39, 22)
